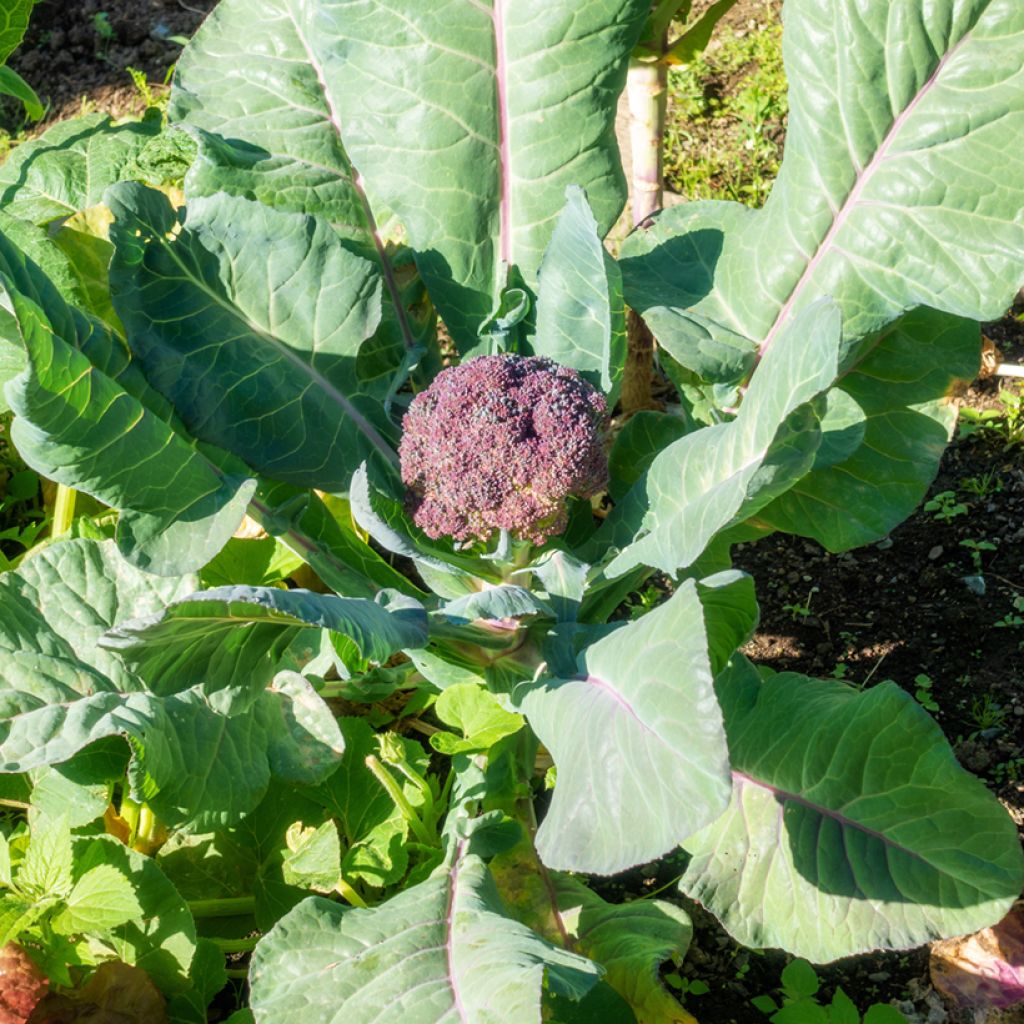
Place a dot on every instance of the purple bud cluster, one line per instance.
(499, 443)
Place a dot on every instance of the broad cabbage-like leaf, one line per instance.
(888, 423)
(262, 316)
(580, 313)
(515, 102)
(629, 940)
(894, 193)
(81, 427)
(637, 739)
(892, 196)
(70, 166)
(851, 825)
(443, 950)
(231, 641)
(711, 478)
(61, 692)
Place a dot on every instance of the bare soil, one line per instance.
(76, 53)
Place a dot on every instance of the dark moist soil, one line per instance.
(896, 610)
(76, 52)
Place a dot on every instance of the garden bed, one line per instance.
(938, 606)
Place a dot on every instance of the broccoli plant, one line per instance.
(501, 443)
(291, 536)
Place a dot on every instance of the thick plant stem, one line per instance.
(228, 906)
(647, 96)
(638, 375)
(393, 790)
(63, 510)
(350, 895)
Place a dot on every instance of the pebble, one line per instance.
(879, 976)
(936, 552)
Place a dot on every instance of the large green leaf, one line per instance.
(896, 410)
(851, 824)
(161, 939)
(80, 427)
(231, 641)
(891, 196)
(71, 165)
(894, 192)
(638, 742)
(713, 477)
(469, 120)
(247, 85)
(262, 315)
(195, 767)
(441, 951)
(580, 315)
(59, 603)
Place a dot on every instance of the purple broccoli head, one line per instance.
(499, 443)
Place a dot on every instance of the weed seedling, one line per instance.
(1015, 618)
(983, 485)
(105, 33)
(976, 547)
(923, 692)
(800, 1004)
(944, 506)
(1006, 424)
(799, 612)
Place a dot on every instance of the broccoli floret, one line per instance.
(499, 443)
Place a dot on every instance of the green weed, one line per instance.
(726, 115)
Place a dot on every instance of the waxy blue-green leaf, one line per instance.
(326, 540)
(80, 427)
(894, 192)
(230, 641)
(248, 83)
(60, 692)
(505, 601)
(637, 739)
(630, 941)
(896, 410)
(641, 438)
(581, 319)
(714, 477)
(469, 119)
(853, 828)
(730, 613)
(264, 315)
(60, 602)
(250, 87)
(439, 952)
(70, 166)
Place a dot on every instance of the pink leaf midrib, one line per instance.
(504, 141)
